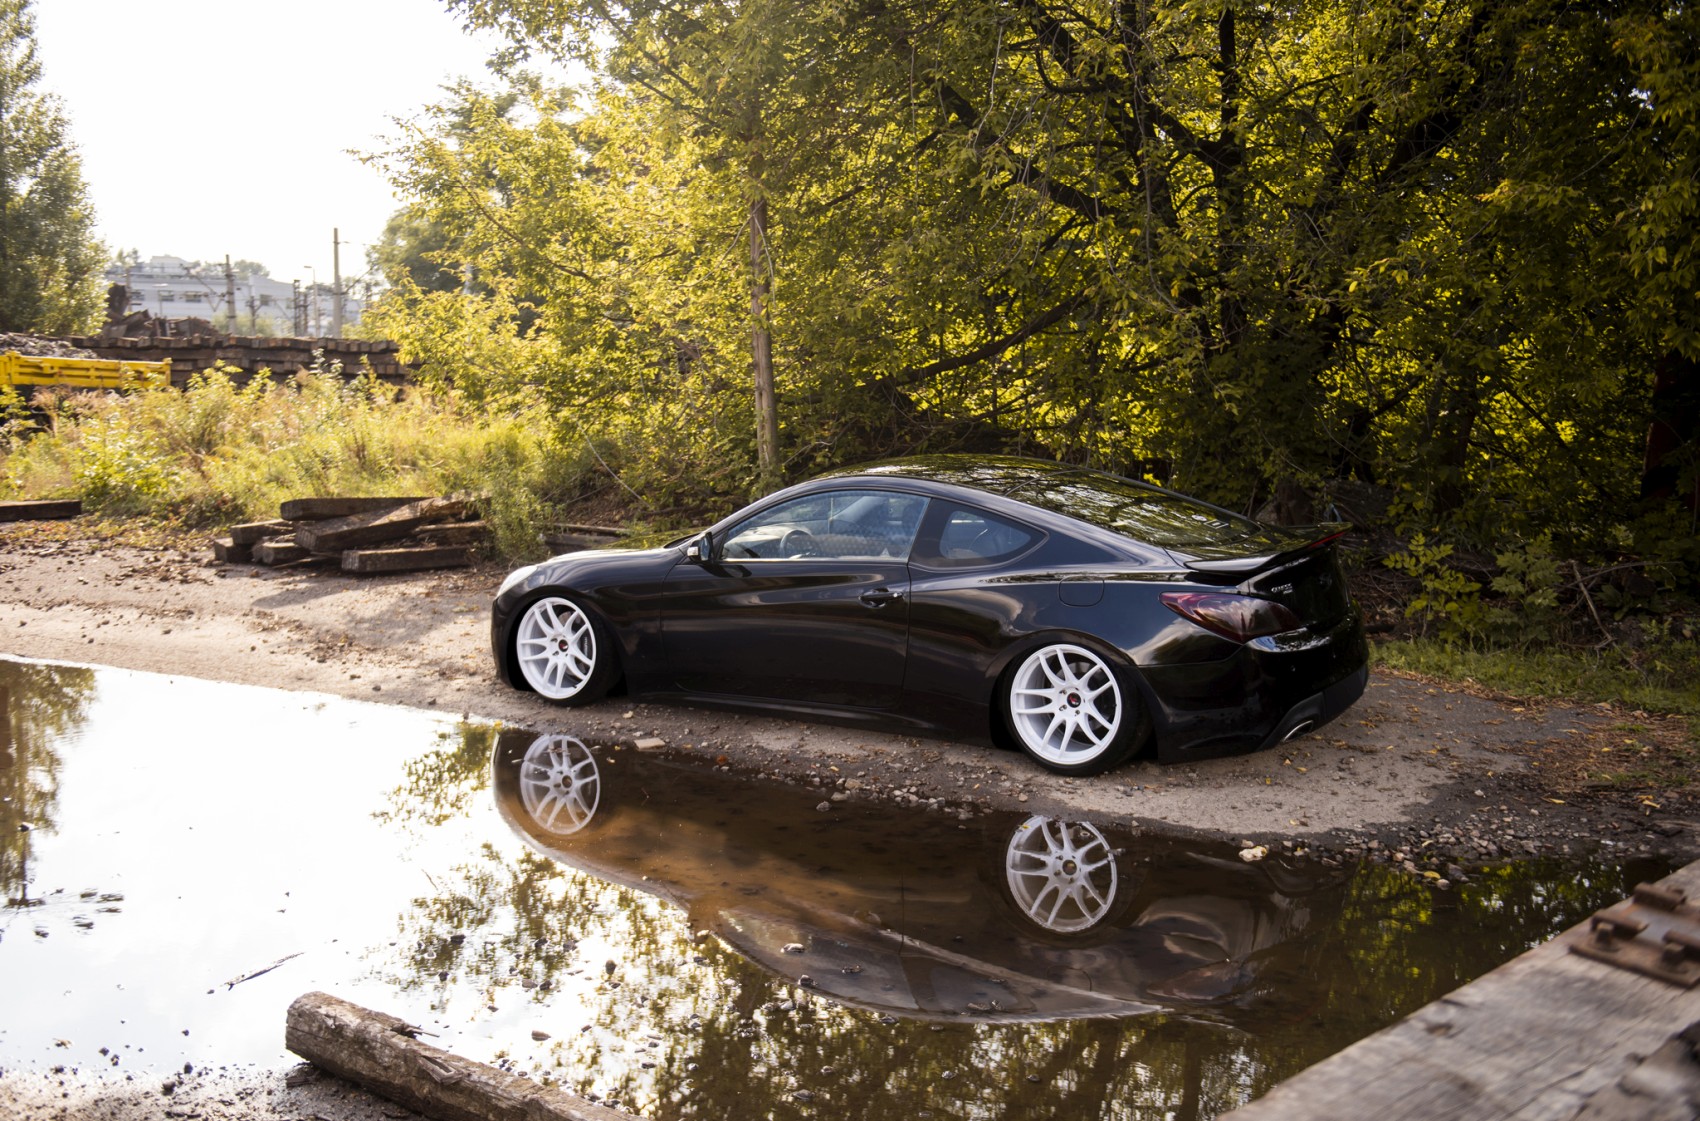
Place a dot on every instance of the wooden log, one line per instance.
(232, 552)
(1549, 1036)
(406, 560)
(381, 1053)
(252, 533)
(338, 534)
(279, 550)
(452, 533)
(600, 530)
(303, 509)
(40, 510)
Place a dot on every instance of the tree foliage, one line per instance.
(1442, 248)
(50, 265)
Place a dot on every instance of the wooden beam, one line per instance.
(279, 551)
(252, 533)
(1544, 1037)
(454, 533)
(230, 552)
(40, 510)
(406, 560)
(339, 534)
(303, 509)
(380, 1052)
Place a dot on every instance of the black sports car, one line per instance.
(1076, 613)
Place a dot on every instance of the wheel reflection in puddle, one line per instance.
(559, 784)
(1062, 874)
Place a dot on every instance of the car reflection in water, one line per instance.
(911, 913)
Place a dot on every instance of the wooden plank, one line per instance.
(380, 1052)
(338, 534)
(232, 552)
(453, 533)
(252, 533)
(302, 509)
(406, 560)
(1535, 1040)
(40, 509)
(279, 551)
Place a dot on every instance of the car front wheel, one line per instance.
(1069, 710)
(564, 652)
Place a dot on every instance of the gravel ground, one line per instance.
(1439, 779)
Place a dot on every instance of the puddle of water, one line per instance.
(690, 942)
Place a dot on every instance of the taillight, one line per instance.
(1240, 618)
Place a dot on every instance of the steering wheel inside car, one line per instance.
(798, 543)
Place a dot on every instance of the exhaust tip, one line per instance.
(1299, 729)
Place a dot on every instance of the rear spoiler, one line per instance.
(1287, 544)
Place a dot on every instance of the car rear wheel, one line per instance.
(564, 652)
(1068, 709)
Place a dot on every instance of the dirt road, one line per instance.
(1416, 768)
(1437, 779)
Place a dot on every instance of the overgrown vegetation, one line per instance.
(216, 453)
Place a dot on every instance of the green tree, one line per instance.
(50, 265)
(1441, 248)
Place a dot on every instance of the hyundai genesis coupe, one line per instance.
(1078, 615)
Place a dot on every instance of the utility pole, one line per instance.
(336, 283)
(230, 293)
(297, 311)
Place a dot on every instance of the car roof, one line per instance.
(993, 474)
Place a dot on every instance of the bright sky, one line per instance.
(209, 127)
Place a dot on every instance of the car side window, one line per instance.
(962, 537)
(834, 525)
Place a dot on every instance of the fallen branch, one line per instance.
(1589, 600)
(228, 985)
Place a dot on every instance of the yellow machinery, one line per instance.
(82, 373)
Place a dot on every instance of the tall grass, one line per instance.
(217, 453)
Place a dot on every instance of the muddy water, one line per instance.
(181, 859)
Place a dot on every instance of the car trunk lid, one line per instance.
(1298, 567)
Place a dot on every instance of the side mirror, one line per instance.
(701, 551)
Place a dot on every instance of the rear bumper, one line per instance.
(1269, 690)
(1319, 708)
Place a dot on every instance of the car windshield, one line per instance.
(1144, 513)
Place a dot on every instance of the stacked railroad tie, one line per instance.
(360, 535)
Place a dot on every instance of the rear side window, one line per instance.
(962, 537)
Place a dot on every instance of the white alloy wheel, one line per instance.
(556, 647)
(1062, 874)
(559, 784)
(1065, 706)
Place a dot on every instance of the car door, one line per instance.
(807, 600)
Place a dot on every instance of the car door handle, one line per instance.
(879, 597)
